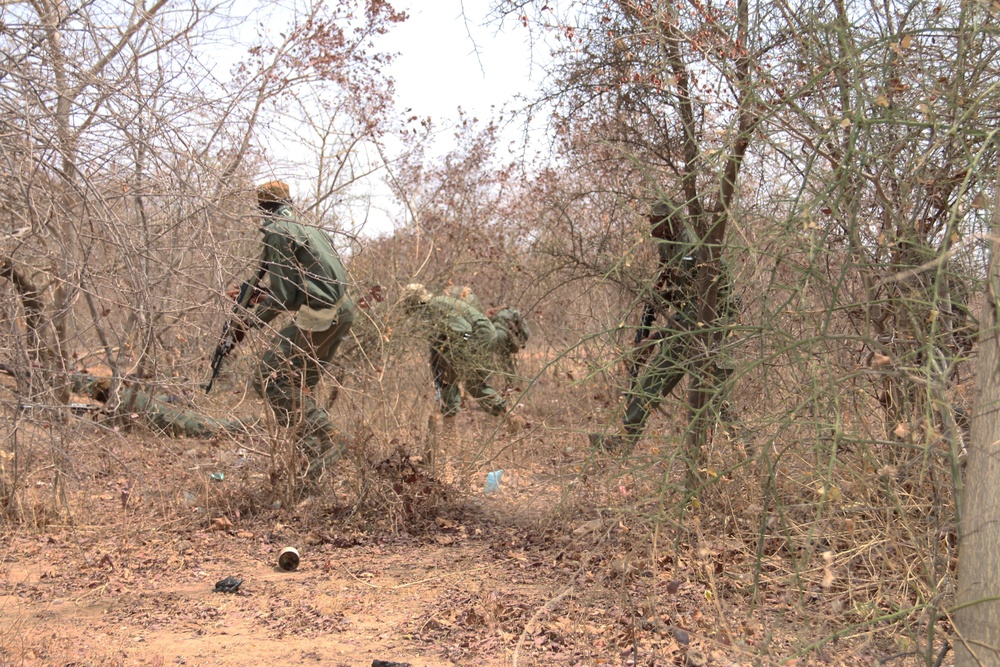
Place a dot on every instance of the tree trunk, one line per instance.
(977, 620)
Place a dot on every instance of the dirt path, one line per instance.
(427, 604)
(421, 573)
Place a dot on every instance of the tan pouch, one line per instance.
(316, 320)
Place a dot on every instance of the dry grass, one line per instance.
(813, 534)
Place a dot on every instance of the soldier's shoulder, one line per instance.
(450, 304)
(443, 301)
(285, 222)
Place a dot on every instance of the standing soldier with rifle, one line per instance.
(306, 277)
(675, 299)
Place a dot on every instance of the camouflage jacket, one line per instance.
(304, 268)
(454, 321)
(678, 280)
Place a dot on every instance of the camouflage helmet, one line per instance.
(512, 321)
(415, 295)
(274, 192)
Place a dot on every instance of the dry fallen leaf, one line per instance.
(827, 582)
(696, 658)
(880, 360)
(888, 471)
(588, 527)
(221, 523)
(621, 567)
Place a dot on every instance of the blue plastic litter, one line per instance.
(493, 481)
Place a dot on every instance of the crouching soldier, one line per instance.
(462, 346)
(511, 329)
(305, 277)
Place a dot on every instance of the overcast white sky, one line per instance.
(446, 57)
(438, 68)
(449, 58)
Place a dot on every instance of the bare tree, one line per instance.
(977, 619)
(128, 156)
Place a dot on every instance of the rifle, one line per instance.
(230, 334)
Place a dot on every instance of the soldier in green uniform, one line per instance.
(463, 343)
(157, 411)
(511, 329)
(305, 277)
(675, 299)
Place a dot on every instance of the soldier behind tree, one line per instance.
(674, 301)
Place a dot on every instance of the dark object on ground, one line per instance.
(288, 559)
(228, 585)
(612, 444)
(386, 663)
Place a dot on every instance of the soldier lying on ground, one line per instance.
(156, 411)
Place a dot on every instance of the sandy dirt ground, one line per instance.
(461, 595)
(570, 563)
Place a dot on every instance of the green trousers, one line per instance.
(673, 360)
(450, 371)
(292, 366)
(158, 411)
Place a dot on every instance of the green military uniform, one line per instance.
(466, 294)
(512, 331)
(678, 294)
(512, 336)
(156, 411)
(305, 276)
(463, 343)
